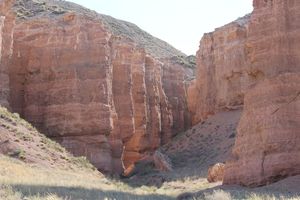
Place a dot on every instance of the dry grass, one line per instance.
(39, 168)
(223, 195)
(19, 180)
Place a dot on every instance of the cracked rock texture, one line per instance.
(102, 87)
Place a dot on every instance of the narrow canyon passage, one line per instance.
(105, 89)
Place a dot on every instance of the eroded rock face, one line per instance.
(100, 94)
(175, 80)
(222, 74)
(267, 147)
(65, 95)
(254, 62)
(6, 41)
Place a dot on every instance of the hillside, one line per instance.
(22, 141)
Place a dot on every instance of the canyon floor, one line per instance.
(28, 171)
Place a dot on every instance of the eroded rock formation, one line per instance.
(95, 84)
(222, 74)
(254, 62)
(6, 41)
(267, 147)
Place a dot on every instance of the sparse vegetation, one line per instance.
(19, 180)
(82, 162)
(52, 144)
(18, 153)
(218, 195)
(187, 61)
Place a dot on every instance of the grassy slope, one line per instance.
(20, 140)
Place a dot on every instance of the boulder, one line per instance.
(216, 173)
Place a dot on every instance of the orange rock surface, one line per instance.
(101, 94)
(267, 147)
(254, 61)
(222, 74)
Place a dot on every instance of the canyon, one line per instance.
(107, 90)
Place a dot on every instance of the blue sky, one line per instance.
(179, 22)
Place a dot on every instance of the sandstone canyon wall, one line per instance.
(222, 76)
(254, 62)
(267, 147)
(6, 41)
(101, 87)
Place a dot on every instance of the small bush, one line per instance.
(18, 153)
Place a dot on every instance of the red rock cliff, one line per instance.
(6, 41)
(267, 147)
(222, 74)
(254, 62)
(97, 91)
